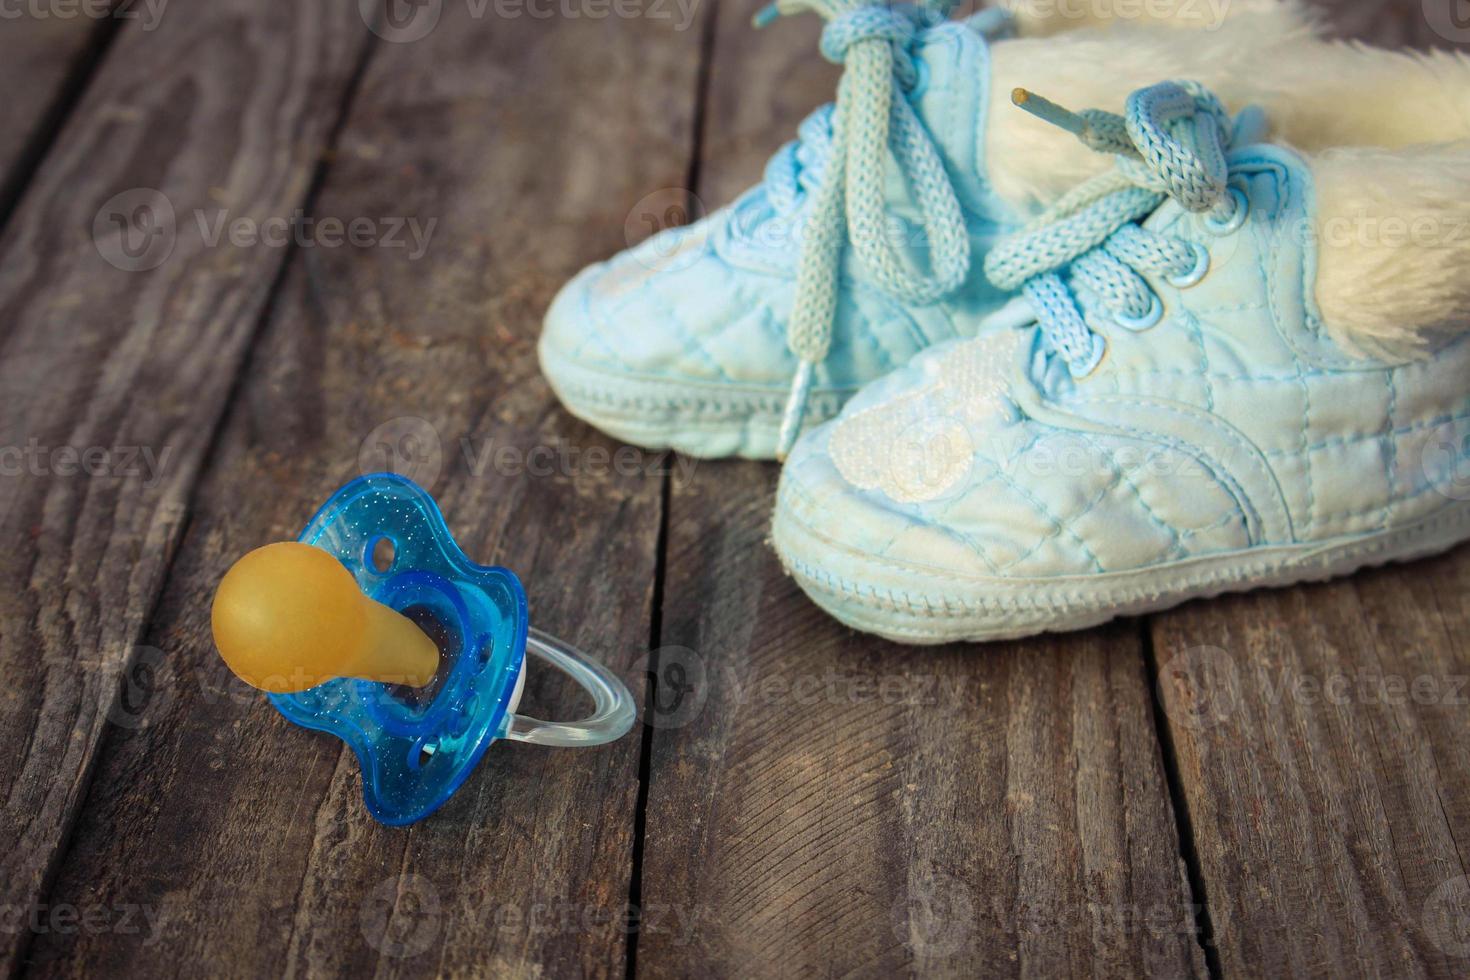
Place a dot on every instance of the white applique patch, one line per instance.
(920, 446)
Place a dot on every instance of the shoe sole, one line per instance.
(721, 421)
(920, 606)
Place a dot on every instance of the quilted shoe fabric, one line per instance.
(985, 491)
(682, 341)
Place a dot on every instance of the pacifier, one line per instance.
(373, 626)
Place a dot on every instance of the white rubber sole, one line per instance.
(911, 604)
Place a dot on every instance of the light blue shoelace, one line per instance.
(1171, 143)
(840, 158)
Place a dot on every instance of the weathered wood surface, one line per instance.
(1321, 741)
(44, 58)
(813, 801)
(839, 805)
(1399, 23)
(1321, 733)
(225, 105)
(271, 864)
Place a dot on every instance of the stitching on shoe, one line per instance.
(902, 601)
(1389, 445)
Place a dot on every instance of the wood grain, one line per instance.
(817, 802)
(225, 105)
(1398, 23)
(823, 803)
(248, 836)
(1320, 737)
(1320, 734)
(43, 57)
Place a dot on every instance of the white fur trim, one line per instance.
(1387, 134)
(1042, 18)
(1031, 163)
(1393, 267)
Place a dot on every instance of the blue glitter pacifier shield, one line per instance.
(374, 627)
(417, 746)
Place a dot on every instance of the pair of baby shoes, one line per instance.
(1047, 367)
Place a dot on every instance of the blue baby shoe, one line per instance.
(1224, 371)
(863, 244)
(684, 343)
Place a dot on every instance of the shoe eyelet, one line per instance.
(1225, 226)
(921, 81)
(1094, 358)
(1136, 323)
(1194, 275)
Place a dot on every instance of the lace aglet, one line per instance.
(791, 419)
(1048, 111)
(766, 15)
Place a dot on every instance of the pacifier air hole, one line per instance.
(381, 554)
(422, 753)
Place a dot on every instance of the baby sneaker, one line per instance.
(861, 246)
(1233, 364)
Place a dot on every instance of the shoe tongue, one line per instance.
(950, 101)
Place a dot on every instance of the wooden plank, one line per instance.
(1398, 23)
(825, 803)
(42, 56)
(839, 804)
(226, 105)
(1320, 737)
(247, 836)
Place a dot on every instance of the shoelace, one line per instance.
(1171, 143)
(841, 151)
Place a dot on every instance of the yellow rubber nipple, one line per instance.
(288, 617)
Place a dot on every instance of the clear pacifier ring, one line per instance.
(613, 712)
